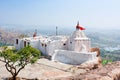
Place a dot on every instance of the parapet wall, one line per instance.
(72, 57)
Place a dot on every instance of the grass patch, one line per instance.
(105, 61)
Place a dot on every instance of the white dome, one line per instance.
(78, 34)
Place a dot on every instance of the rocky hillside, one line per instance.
(109, 72)
(45, 69)
(7, 37)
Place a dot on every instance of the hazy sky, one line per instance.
(92, 13)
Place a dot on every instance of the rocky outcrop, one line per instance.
(97, 50)
(108, 72)
(45, 69)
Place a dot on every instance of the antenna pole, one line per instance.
(56, 30)
(36, 31)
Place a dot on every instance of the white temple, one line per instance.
(74, 49)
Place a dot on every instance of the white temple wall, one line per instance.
(81, 44)
(42, 48)
(16, 45)
(72, 57)
(88, 45)
(34, 44)
(19, 44)
(77, 45)
(71, 44)
(50, 48)
(57, 45)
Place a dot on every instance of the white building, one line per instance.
(72, 49)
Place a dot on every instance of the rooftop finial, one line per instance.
(35, 33)
(78, 23)
(78, 27)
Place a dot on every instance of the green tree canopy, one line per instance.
(16, 60)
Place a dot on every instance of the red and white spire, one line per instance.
(79, 27)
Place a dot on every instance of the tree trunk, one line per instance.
(14, 78)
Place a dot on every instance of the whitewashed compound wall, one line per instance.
(72, 57)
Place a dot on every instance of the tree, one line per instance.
(15, 60)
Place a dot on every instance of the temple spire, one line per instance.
(78, 23)
(77, 26)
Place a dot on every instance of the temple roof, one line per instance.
(78, 34)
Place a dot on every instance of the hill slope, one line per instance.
(7, 37)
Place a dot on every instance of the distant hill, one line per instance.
(7, 37)
(99, 37)
(104, 39)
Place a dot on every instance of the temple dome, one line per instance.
(78, 34)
